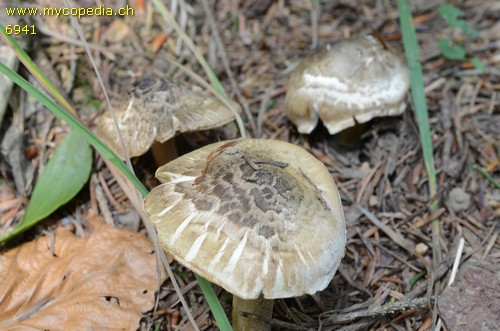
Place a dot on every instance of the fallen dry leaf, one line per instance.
(105, 280)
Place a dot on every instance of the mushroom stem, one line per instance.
(351, 137)
(261, 307)
(164, 152)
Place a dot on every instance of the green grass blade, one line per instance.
(62, 178)
(488, 177)
(421, 113)
(35, 71)
(417, 91)
(214, 304)
(75, 124)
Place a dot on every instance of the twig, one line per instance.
(397, 257)
(387, 309)
(427, 206)
(490, 245)
(52, 236)
(109, 195)
(275, 322)
(396, 237)
(34, 310)
(353, 283)
(102, 202)
(251, 163)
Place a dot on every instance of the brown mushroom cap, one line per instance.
(158, 111)
(253, 216)
(353, 79)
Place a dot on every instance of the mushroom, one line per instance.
(158, 110)
(261, 218)
(354, 79)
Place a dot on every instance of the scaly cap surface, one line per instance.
(253, 216)
(158, 111)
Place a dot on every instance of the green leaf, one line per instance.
(450, 13)
(451, 52)
(62, 178)
(477, 64)
(467, 29)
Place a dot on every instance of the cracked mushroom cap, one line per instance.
(354, 79)
(158, 110)
(253, 216)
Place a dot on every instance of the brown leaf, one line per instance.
(104, 280)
